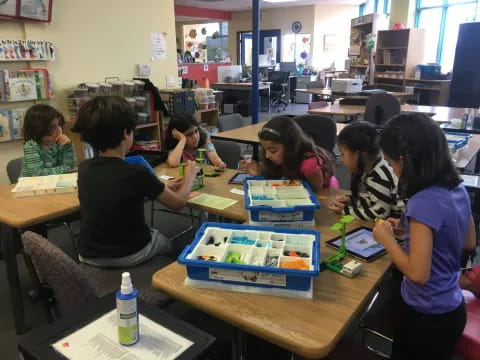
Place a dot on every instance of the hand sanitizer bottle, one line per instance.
(471, 116)
(127, 312)
(465, 118)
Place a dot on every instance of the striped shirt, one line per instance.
(39, 160)
(377, 196)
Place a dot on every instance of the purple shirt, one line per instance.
(447, 213)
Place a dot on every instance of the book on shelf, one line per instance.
(16, 123)
(45, 185)
(5, 120)
(25, 84)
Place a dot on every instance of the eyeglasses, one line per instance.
(192, 133)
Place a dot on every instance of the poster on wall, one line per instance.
(159, 46)
(8, 8)
(39, 10)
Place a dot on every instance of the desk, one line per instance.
(19, 213)
(36, 346)
(328, 94)
(438, 113)
(467, 155)
(249, 135)
(215, 186)
(247, 87)
(309, 328)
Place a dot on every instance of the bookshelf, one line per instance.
(360, 60)
(22, 83)
(397, 55)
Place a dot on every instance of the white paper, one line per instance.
(99, 341)
(165, 177)
(159, 46)
(205, 67)
(237, 191)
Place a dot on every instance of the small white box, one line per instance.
(346, 86)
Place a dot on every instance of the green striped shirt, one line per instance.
(39, 160)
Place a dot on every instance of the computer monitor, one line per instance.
(289, 66)
(246, 72)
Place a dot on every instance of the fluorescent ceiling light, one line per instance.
(276, 1)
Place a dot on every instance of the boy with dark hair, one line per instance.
(111, 191)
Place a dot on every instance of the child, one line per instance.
(371, 175)
(184, 138)
(289, 153)
(438, 225)
(111, 191)
(47, 151)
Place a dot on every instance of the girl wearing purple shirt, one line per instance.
(438, 226)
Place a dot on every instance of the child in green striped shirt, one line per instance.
(47, 151)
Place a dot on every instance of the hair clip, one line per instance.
(272, 131)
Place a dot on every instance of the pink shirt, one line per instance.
(314, 164)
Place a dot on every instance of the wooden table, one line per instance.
(215, 186)
(438, 113)
(465, 156)
(327, 94)
(20, 213)
(249, 135)
(309, 328)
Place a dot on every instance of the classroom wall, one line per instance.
(403, 12)
(332, 20)
(96, 39)
(271, 19)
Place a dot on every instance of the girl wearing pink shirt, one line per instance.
(288, 152)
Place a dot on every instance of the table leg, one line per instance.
(9, 238)
(239, 345)
(269, 99)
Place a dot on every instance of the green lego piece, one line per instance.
(347, 219)
(181, 169)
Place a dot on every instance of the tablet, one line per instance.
(360, 244)
(238, 178)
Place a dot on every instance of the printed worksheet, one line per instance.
(99, 341)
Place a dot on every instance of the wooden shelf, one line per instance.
(18, 101)
(425, 80)
(388, 78)
(207, 110)
(391, 85)
(141, 126)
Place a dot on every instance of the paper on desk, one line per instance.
(99, 341)
(165, 177)
(212, 201)
(237, 191)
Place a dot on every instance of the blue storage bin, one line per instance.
(139, 160)
(457, 141)
(278, 210)
(268, 243)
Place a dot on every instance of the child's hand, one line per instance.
(397, 228)
(382, 232)
(250, 167)
(190, 170)
(175, 184)
(221, 165)
(178, 135)
(62, 139)
(336, 206)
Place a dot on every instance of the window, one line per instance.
(375, 6)
(441, 19)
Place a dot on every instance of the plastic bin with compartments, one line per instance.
(277, 202)
(252, 255)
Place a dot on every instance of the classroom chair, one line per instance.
(322, 129)
(13, 169)
(468, 346)
(230, 122)
(66, 285)
(381, 107)
(228, 151)
(278, 89)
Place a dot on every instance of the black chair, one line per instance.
(228, 151)
(13, 169)
(278, 88)
(322, 129)
(230, 122)
(381, 107)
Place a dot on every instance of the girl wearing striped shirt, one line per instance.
(373, 183)
(47, 151)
